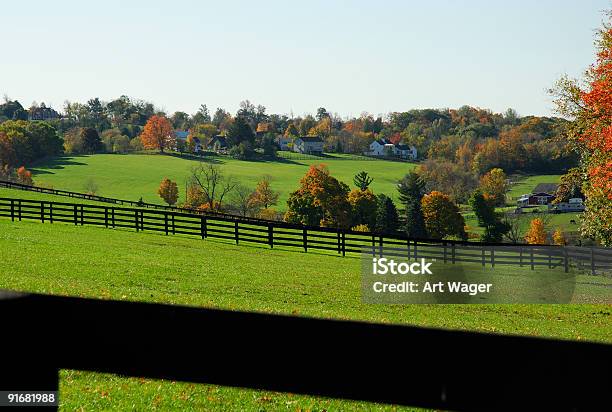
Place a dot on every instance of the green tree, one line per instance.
(362, 180)
(91, 140)
(484, 209)
(241, 133)
(411, 190)
(386, 215)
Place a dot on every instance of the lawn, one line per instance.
(133, 176)
(179, 270)
(525, 184)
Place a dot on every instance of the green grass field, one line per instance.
(132, 176)
(179, 270)
(526, 184)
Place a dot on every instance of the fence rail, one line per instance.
(595, 260)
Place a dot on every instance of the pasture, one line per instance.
(177, 270)
(138, 175)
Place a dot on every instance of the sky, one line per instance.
(295, 56)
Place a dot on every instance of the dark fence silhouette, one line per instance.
(236, 229)
(395, 364)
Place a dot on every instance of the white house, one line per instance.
(384, 148)
(573, 205)
(181, 140)
(308, 145)
(284, 143)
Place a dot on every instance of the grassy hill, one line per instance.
(132, 176)
(179, 270)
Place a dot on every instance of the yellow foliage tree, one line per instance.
(559, 237)
(168, 190)
(536, 234)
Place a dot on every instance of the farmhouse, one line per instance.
(284, 143)
(181, 137)
(384, 148)
(217, 143)
(543, 194)
(308, 145)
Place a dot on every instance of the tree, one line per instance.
(241, 133)
(264, 197)
(212, 184)
(291, 131)
(320, 200)
(386, 215)
(168, 190)
(90, 186)
(536, 235)
(494, 184)
(484, 209)
(570, 186)
(411, 190)
(24, 176)
(590, 134)
(91, 141)
(240, 201)
(158, 134)
(362, 180)
(442, 217)
(559, 237)
(364, 204)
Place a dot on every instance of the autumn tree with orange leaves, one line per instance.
(158, 134)
(537, 233)
(590, 106)
(320, 200)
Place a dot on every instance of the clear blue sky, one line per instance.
(290, 56)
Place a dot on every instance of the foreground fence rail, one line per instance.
(271, 234)
(389, 363)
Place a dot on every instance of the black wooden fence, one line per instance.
(236, 229)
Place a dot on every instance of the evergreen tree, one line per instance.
(362, 180)
(386, 216)
(411, 190)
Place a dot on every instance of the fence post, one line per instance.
(492, 256)
(173, 224)
(136, 220)
(166, 223)
(343, 243)
(19, 209)
(549, 258)
(50, 212)
(444, 244)
(106, 217)
(565, 260)
(531, 255)
(75, 215)
(141, 220)
(271, 235)
(521, 256)
(113, 216)
(483, 255)
(592, 260)
(12, 210)
(236, 230)
(453, 252)
(415, 249)
(305, 239)
(81, 215)
(374, 246)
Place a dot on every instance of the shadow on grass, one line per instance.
(46, 166)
